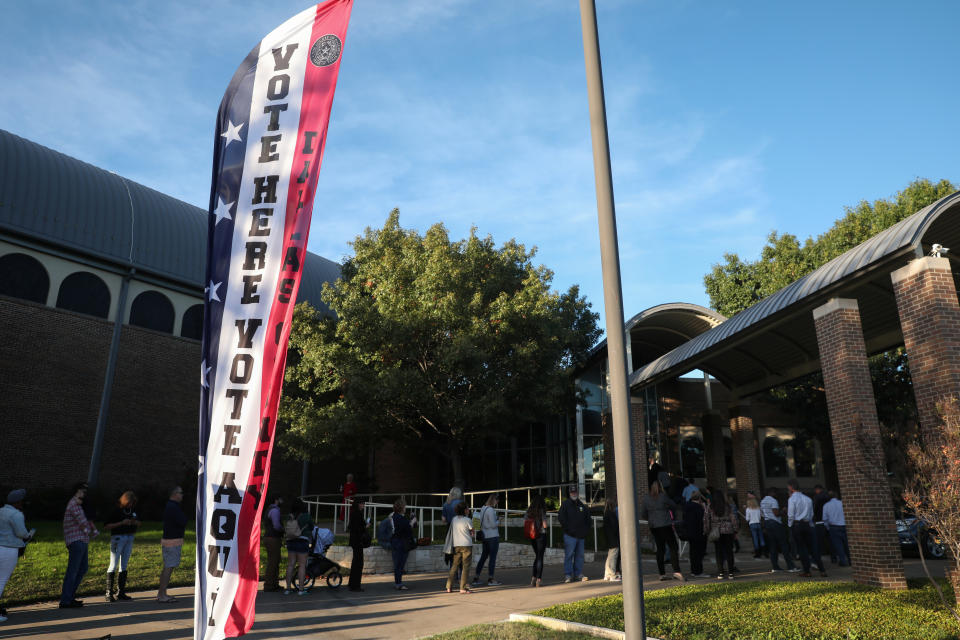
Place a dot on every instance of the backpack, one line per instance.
(530, 528)
(385, 532)
(291, 528)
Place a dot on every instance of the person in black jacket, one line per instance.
(575, 520)
(693, 530)
(611, 528)
(171, 544)
(359, 539)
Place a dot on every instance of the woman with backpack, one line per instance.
(535, 528)
(489, 536)
(720, 525)
(359, 540)
(298, 530)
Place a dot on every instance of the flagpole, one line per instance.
(633, 617)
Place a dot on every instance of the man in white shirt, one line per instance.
(836, 525)
(774, 532)
(800, 521)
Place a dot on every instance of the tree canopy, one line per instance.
(736, 284)
(445, 342)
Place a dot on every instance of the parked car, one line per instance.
(911, 529)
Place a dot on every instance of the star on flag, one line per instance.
(212, 291)
(232, 133)
(204, 370)
(223, 210)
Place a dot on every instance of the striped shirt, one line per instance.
(76, 527)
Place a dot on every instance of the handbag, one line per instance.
(530, 528)
(411, 543)
(714, 534)
(366, 539)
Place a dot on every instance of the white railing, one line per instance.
(472, 498)
(430, 517)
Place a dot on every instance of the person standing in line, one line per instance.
(298, 547)
(13, 538)
(754, 518)
(460, 542)
(402, 533)
(776, 535)
(689, 490)
(349, 489)
(537, 515)
(836, 525)
(575, 521)
(359, 540)
(800, 521)
(489, 526)
(693, 527)
(611, 528)
(721, 516)
(655, 509)
(77, 532)
(272, 540)
(821, 540)
(122, 525)
(171, 542)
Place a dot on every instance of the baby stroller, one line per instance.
(318, 565)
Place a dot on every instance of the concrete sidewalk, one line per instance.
(379, 612)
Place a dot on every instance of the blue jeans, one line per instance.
(76, 569)
(838, 542)
(572, 556)
(120, 549)
(490, 548)
(399, 559)
(756, 530)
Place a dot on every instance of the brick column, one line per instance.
(861, 467)
(639, 452)
(714, 460)
(930, 319)
(746, 466)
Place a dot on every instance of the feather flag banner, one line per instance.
(271, 129)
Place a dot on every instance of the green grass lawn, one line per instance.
(39, 574)
(509, 631)
(811, 610)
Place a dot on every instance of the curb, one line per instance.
(566, 625)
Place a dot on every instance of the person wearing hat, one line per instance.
(13, 538)
(575, 520)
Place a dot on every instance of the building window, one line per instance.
(728, 456)
(24, 277)
(691, 457)
(775, 457)
(805, 457)
(193, 323)
(84, 292)
(152, 310)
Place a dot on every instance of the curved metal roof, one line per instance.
(58, 200)
(655, 331)
(774, 340)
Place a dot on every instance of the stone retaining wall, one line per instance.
(429, 559)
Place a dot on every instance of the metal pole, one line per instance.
(633, 616)
(581, 472)
(93, 475)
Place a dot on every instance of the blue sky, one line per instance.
(727, 120)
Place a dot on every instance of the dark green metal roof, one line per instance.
(56, 200)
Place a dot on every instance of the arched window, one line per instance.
(193, 323)
(691, 457)
(84, 292)
(805, 457)
(775, 457)
(152, 310)
(23, 277)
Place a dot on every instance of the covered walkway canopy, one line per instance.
(775, 341)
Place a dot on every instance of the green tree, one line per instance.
(736, 284)
(446, 342)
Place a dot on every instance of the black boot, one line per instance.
(108, 596)
(122, 586)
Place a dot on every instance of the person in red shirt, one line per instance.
(349, 490)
